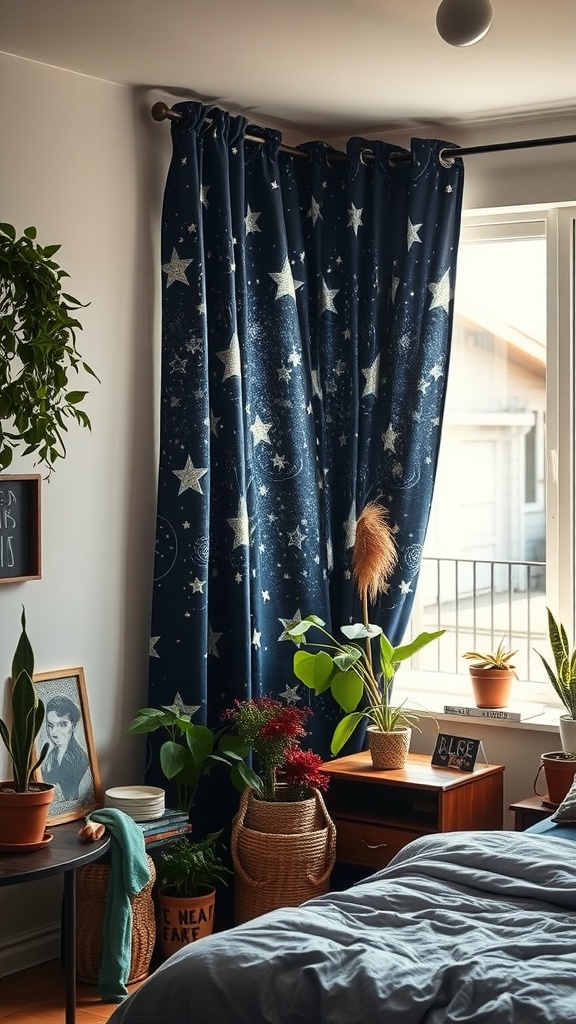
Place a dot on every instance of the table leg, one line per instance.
(70, 944)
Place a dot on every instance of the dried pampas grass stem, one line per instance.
(375, 556)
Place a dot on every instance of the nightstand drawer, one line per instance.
(370, 845)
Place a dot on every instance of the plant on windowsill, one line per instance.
(563, 679)
(192, 751)
(186, 897)
(351, 673)
(37, 350)
(24, 803)
(491, 675)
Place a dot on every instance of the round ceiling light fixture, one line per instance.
(463, 22)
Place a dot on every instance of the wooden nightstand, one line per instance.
(529, 812)
(377, 813)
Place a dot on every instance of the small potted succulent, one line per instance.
(563, 679)
(24, 803)
(492, 675)
(188, 874)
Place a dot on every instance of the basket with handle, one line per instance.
(273, 870)
(91, 888)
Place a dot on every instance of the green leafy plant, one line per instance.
(189, 866)
(350, 673)
(27, 716)
(37, 350)
(564, 678)
(500, 658)
(191, 750)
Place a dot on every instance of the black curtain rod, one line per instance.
(161, 112)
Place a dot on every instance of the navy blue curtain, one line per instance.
(306, 331)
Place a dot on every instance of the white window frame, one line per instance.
(558, 226)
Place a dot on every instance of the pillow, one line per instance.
(566, 812)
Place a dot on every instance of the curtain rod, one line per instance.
(161, 112)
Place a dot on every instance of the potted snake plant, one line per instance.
(491, 675)
(24, 803)
(563, 679)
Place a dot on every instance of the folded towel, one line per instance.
(129, 874)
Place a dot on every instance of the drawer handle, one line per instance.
(374, 846)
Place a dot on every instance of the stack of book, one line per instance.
(172, 823)
(514, 713)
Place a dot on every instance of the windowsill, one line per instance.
(430, 692)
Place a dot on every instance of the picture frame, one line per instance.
(71, 763)
(457, 752)
(20, 528)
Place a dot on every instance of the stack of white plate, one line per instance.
(143, 803)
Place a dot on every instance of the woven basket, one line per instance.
(280, 870)
(284, 817)
(388, 750)
(91, 889)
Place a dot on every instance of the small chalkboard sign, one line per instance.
(459, 752)
(19, 528)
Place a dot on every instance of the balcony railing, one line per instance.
(479, 603)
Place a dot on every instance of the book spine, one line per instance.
(158, 837)
(493, 713)
(159, 824)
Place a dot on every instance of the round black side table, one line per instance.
(62, 856)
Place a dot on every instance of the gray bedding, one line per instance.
(460, 927)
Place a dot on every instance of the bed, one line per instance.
(460, 927)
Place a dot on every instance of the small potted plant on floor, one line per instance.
(24, 803)
(492, 675)
(188, 872)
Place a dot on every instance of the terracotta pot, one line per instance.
(568, 733)
(491, 686)
(559, 774)
(183, 919)
(23, 815)
(389, 750)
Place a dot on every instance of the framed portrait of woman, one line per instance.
(71, 763)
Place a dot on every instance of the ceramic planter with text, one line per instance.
(492, 675)
(186, 898)
(24, 803)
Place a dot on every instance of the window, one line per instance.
(500, 544)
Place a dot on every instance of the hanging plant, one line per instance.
(37, 350)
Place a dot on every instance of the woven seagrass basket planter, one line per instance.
(284, 817)
(389, 750)
(273, 870)
(91, 889)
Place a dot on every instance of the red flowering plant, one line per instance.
(274, 732)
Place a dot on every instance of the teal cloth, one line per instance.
(129, 873)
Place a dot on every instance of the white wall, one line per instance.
(83, 161)
(71, 166)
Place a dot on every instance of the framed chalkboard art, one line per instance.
(20, 528)
(459, 752)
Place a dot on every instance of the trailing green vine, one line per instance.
(37, 350)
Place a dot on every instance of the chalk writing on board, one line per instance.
(19, 526)
(459, 752)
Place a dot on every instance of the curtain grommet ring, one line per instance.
(369, 153)
(395, 158)
(446, 161)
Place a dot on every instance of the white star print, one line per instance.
(153, 652)
(423, 385)
(389, 439)
(295, 358)
(436, 372)
(289, 623)
(251, 220)
(372, 374)
(284, 373)
(197, 586)
(441, 292)
(279, 461)
(413, 236)
(295, 538)
(290, 695)
(194, 345)
(314, 211)
(175, 270)
(326, 298)
(256, 638)
(190, 477)
(241, 525)
(260, 431)
(213, 639)
(405, 587)
(265, 595)
(355, 218)
(285, 283)
(180, 708)
(231, 358)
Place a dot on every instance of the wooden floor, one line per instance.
(38, 996)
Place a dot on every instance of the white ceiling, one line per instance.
(323, 68)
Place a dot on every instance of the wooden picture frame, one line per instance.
(67, 728)
(20, 528)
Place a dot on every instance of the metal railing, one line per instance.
(479, 603)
